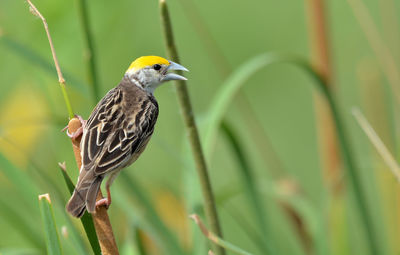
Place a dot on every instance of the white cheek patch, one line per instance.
(147, 79)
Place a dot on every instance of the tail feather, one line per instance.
(92, 194)
(76, 205)
(82, 198)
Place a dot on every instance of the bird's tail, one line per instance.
(84, 196)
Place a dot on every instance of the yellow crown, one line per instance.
(144, 61)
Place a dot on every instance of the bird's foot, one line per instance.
(79, 131)
(103, 202)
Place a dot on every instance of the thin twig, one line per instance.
(100, 217)
(61, 79)
(191, 127)
(215, 239)
(377, 142)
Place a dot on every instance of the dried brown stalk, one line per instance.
(61, 79)
(101, 220)
(320, 51)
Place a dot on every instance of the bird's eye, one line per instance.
(157, 67)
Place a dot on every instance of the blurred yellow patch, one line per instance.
(22, 119)
(172, 211)
(174, 215)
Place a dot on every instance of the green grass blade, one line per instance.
(250, 187)
(50, 229)
(232, 85)
(229, 90)
(168, 239)
(67, 179)
(86, 219)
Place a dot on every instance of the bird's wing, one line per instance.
(112, 136)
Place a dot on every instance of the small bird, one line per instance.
(119, 129)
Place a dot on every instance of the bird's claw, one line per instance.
(103, 202)
(79, 131)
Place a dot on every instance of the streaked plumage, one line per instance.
(119, 129)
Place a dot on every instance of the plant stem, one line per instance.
(194, 139)
(89, 50)
(61, 79)
(100, 217)
(320, 51)
(101, 220)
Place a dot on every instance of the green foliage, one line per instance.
(53, 243)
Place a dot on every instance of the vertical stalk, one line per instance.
(100, 217)
(101, 220)
(61, 79)
(320, 51)
(89, 50)
(190, 124)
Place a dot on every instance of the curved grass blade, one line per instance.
(86, 219)
(230, 88)
(250, 187)
(52, 238)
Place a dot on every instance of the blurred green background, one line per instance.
(214, 38)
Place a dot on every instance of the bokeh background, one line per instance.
(274, 117)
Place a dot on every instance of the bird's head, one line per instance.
(149, 72)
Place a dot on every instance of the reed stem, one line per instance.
(320, 54)
(193, 134)
(100, 217)
(61, 79)
(101, 220)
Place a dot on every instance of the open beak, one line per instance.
(173, 76)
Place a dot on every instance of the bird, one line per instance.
(118, 130)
